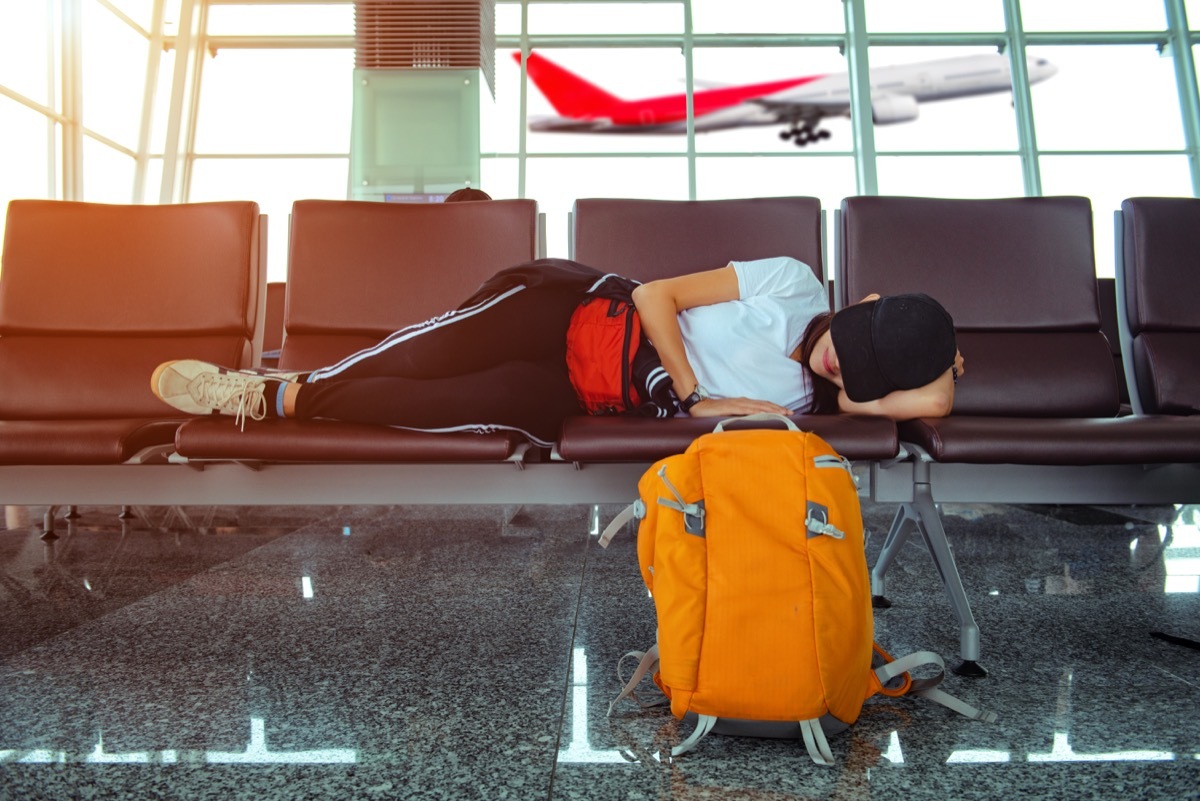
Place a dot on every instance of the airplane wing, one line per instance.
(886, 108)
(765, 111)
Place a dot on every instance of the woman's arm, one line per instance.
(935, 399)
(659, 304)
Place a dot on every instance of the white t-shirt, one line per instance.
(742, 348)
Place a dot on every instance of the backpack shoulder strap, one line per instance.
(634, 511)
(815, 742)
(704, 724)
(647, 663)
(927, 688)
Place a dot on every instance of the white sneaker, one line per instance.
(198, 387)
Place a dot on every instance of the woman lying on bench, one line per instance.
(753, 336)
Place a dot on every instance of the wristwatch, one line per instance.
(698, 394)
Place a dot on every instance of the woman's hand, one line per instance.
(735, 407)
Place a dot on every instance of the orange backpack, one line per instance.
(751, 544)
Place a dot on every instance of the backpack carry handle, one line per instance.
(758, 417)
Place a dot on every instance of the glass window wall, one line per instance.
(114, 75)
(107, 174)
(1108, 97)
(273, 183)
(140, 12)
(829, 178)
(717, 17)
(971, 176)
(576, 17)
(28, 50)
(309, 19)
(934, 16)
(27, 160)
(1090, 15)
(556, 183)
(275, 101)
(272, 120)
(1109, 179)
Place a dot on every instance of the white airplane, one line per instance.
(798, 103)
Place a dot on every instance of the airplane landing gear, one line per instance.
(802, 135)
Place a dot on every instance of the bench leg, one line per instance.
(902, 525)
(48, 523)
(943, 560)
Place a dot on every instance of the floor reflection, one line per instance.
(451, 653)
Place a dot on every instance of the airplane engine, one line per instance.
(887, 109)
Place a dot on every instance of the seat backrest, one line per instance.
(273, 322)
(1018, 276)
(649, 239)
(1160, 281)
(358, 270)
(94, 296)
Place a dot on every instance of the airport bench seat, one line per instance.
(639, 238)
(357, 271)
(650, 239)
(1036, 414)
(93, 297)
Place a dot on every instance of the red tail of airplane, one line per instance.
(569, 94)
(586, 107)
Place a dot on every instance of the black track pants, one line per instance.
(499, 363)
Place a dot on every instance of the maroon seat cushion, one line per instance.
(632, 439)
(1168, 370)
(335, 441)
(112, 441)
(1049, 441)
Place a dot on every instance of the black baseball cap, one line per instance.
(895, 342)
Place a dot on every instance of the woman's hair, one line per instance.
(466, 193)
(825, 392)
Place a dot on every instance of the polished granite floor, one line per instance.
(461, 653)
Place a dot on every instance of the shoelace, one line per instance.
(240, 396)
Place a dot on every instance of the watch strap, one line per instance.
(698, 394)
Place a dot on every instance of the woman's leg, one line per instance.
(520, 325)
(509, 352)
(533, 397)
